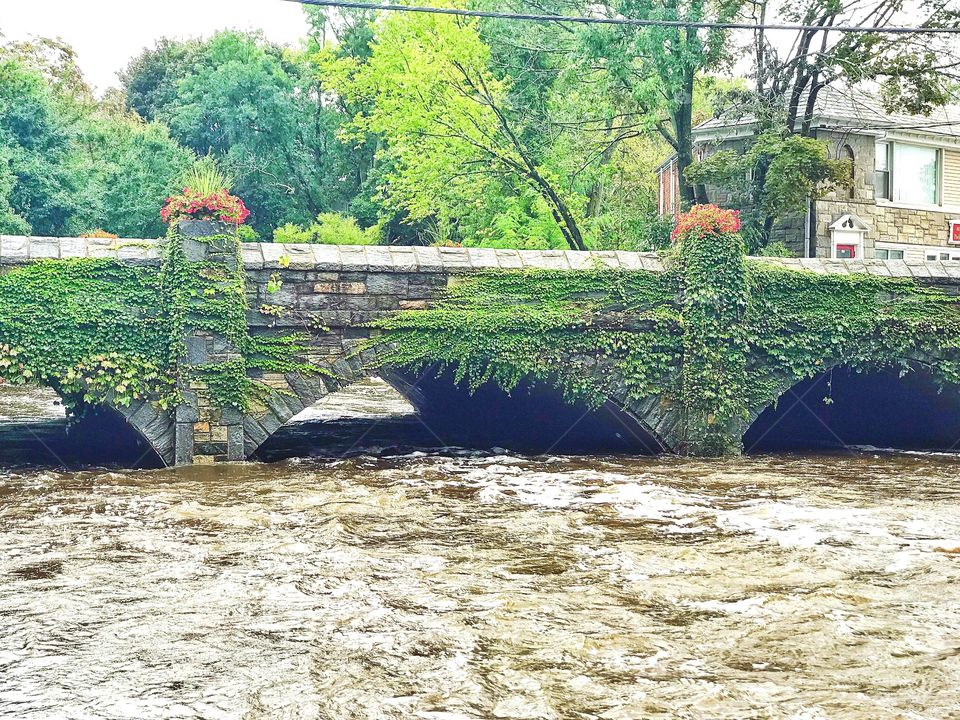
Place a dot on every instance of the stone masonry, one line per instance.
(887, 222)
(204, 432)
(330, 292)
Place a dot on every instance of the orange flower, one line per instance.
(220, 205)
(706, 219)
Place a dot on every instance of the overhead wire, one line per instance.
(636, 22)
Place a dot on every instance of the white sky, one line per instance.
(107, 33)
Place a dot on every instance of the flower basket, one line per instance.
(219, 206)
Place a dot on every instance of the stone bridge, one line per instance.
(333, 292)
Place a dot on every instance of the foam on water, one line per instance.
(474, 585)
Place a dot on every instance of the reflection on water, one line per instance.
(28, 403)
(467, 585)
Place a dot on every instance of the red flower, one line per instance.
(706, 219)
(219, 205)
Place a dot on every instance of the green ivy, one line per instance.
(551, 326)
(209, 296)
(92, 329)
(715, 340)
(716, 336)
(101, 331)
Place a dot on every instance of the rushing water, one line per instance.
(468, 585)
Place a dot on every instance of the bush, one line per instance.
(329, 229)
(776, 249)
(100, 233)
(245, 233)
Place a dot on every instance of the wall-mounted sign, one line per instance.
(954, 237)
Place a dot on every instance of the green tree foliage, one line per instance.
(772, 178)
(70, 164)
(10, 222)
(259, 110)
(659, 71)
(35, 136)
(916, 72)
(450, 135)
(129, 167)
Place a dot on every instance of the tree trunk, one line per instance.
(683, 127)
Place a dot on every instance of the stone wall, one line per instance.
(885, 222)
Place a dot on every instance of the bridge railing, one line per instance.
(17, 250)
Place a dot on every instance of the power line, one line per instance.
(636, 22)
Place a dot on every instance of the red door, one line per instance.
(846, 252)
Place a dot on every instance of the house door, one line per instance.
(846, 252)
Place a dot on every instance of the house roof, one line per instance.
(853, 109)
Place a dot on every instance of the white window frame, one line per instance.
(878, 250)
(913, 253)
(848, 230)
(891, 144)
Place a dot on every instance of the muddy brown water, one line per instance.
(451, 585)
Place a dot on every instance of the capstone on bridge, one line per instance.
(335, 292)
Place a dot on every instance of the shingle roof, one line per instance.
(856, 109)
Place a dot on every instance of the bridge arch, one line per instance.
(136, 435)
(534, 417)
(152, 423)
(903, 406)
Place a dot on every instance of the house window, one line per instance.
(915, 173)
(881, 172)
(885, 254)
(907, 173)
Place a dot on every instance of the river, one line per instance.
(447, 585)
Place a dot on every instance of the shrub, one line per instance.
(99, 233)
(705, 220)
(329, 229)
(776, 249)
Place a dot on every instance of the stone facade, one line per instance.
(886, 222)
(206, 433)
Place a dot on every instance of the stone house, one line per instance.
(904, 199)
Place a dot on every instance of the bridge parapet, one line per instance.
(17, 250)
(409, 259)
(936, 273)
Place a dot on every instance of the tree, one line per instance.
(71, 164)
(10, 222)
(448, 129)
(786, 166)
(130, 167)
(659, 68)
(915, 71)
(44, 189)
(258, 110)
(793, 169)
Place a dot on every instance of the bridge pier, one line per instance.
(205, 431)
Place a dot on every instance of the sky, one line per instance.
(107, 34)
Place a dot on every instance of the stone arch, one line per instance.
(921, 366)
(655, 421)
(154, 425)
(658, 415)
(284, 396)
